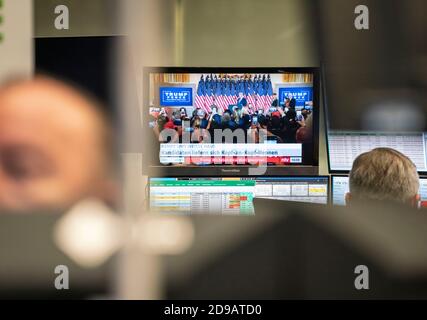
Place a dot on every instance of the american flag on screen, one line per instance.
(223, 91)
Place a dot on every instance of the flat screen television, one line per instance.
(230, 121)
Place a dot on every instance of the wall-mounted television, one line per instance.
(230, 121)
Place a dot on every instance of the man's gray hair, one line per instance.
(383, 174)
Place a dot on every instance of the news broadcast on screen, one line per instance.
(232, 118)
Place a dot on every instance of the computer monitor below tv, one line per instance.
(213, 195)
(340, 186)
(345, 146)
(225, 121)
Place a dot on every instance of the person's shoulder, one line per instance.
(232, 124)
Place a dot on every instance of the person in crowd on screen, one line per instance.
(237, 113)
(203, 116)
(264, 124)
(197, 132)
(165, 135)
(292, 101)
(241, 100)
(245, 119)
(302, 118)
(194, 114)
(169, 124)
(227, 121)
(214, 110)
(275, 101)
(183, 113)
(276, 126)
(301, 135)
(251, 109)
(213, 107)
(56, 147)
(306, 113)
(174, 123)
(286, 104)
(274, 112)
(290, 126)
(214, 122)
(383, 175)
(305, 132)
(179, 129)
(162, 119)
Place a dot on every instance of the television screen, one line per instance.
(210, 117)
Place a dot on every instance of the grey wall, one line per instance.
(87, 17)
(247, 32)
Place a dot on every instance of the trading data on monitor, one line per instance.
(302, 189)
(423, 192)
(232, 195)
(202, 195)
(339, 189)
(340, 186)
(344, 147)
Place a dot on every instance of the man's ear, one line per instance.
(415, 200)
(348, 198)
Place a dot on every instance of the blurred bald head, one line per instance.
(53, 146)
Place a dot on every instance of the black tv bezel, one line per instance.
(229, 170)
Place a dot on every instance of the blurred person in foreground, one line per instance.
(383, 175)
(55, 147)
